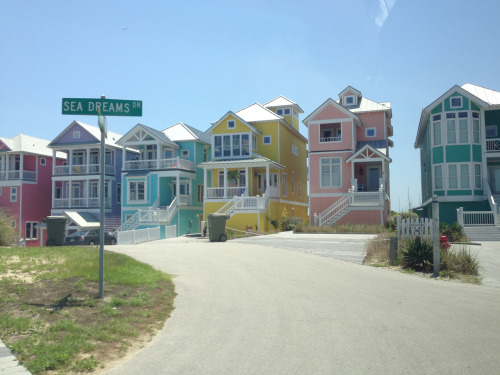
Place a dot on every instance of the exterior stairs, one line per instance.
(482, 233)
(111, 222)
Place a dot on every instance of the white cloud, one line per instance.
(383, 13)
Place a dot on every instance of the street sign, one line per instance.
(109, 107)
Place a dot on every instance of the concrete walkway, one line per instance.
(9, 364)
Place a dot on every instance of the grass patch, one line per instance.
(341, 228)
(51, 316)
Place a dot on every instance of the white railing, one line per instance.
(414, 227)
(64, 170)
(245, 203)
(330, 139)
(473, 218)
(493, 145)
(132, 237)
(18, 175)
(333, 212)
(174, 163)
(218, 192)
(79, 202)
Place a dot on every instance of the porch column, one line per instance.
(158, 149)
(53, 192)
(86, 192)
(178, 187)
(268, 185)
(21, 165)
(353, 174)
(247, 178)
(70, 192)
(88, 161)
(383, 174)
(225, 183)
(124, 157)
(204, 183)
(70, 162)
(53, 162)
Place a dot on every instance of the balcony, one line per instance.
(493, 145)
(161, 164)
(17, 175)
(78, 170)
(92, 202)
(330, 139)
(218, 192)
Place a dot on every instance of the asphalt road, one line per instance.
(245, 308)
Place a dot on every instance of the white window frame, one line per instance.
(129, 190)
(279, 111)
(330, 184)
(451, 123)
(478, 181)
(476, 130)
(350, 97)
(231, 146)
(370, 129)
(31, 225)
(185, 153)
(491, 131)
(13, 194)
(436, 122)
(438, 177)
(287, 112)
(267, 140)
(43, 161)
(456, 106)
(458, 170)
(231, 124)
(295, 150)
(76, 134)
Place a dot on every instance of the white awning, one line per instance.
(83, 220)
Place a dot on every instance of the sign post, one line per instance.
(101, 107)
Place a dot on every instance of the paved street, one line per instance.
(249, 308)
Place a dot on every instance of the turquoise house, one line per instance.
(459, 142)
(163, 187)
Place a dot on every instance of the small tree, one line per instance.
(233, 175)
(7, 233)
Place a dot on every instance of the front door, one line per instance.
(495, 180)
(373, 178)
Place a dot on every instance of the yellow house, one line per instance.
(258, 170)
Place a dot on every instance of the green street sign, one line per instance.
(109, 107)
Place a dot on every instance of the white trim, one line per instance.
(320, 122)
(184, 153)
(264, 137)
(146, 192)
(43, 161)
(456, 106)
(345, 97)
(233, 124)
(490, 127)
(374, 132)
(325, 195)
(295, 150)
(14, 192)
(320, 173)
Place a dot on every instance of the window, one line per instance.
(477, 176)
(452, 133)
(330, 133)
(330, 174)
(287, 111)
(295, 150)
(456, 102)
(31, 233)
(371, 132)
(231, 124)
(0, 190)
(279, 112)
(475, 127)
(200, 193)
(438, 177)
(266, 140)
(43, 161)
(293, 182)
(185, 153)
(137, 191)
(13, 194)
(283, 184)
(491, 131)
(119, 193)
(349, 100)
(254, 142)
(299, 189)
(463, 128)
(464, 176)
(76, 134)
(234, 145)
(205, 154)
(452, 177)
(168, 154)
(436, 129)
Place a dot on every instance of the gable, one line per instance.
(4, 147)
(74, 134)
(329, 112)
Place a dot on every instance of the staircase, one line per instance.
(111, 222)
(482, 233)
(155, 215)
(246, 203)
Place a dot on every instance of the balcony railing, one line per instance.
(80, 202)
(330, 139)
(175, 163)
(218, 192)
(66, 170)
(18, 175)
(493, 145)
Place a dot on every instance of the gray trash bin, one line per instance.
(217, 227)
(56, 230)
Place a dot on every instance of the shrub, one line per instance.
(392, 223)
(460, 261)
(7, 233)
(417, 254)
(454, 232)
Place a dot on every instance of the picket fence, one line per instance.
(421, 227)
(131, 237)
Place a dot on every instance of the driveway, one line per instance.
(246, 308)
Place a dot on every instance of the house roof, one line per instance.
(489, 96)
(94, 131)
(84, 220)
(240, 163)
(258, 113)
(350, 89)
(335, 103)
(370, 147)
(282, 101)
(158, 135)
(468, 90)
(30, 145)
(184, 132)
(367, 105)
(231, 113)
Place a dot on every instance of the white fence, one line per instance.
(421, 227)
(471, 218)
(131, 237)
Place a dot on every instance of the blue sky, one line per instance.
(192, 61)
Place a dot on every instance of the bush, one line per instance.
(417, 254)
(392, 223)
(460, 261)
(454, 232)
(7, 233)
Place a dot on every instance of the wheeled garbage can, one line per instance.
(56, 230)
(217, 227)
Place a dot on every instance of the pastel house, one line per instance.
(349, 160)
(459, 141)
(26, 165)
(75, 185)
(258, 167)
(162, 186)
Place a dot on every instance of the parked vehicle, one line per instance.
(89, 237)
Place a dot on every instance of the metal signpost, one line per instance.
(101, 107)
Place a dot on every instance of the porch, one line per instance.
(83, 161)
(79, 193)
(159, 164)
(13, 167)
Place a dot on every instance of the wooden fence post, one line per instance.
(435, 234)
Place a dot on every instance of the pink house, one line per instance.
(25, 183)
(349, 160)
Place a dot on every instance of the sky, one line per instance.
(193, 61)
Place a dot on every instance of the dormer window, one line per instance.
(231, 124)
(283, 111)
(456, 102)
(349, 100)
